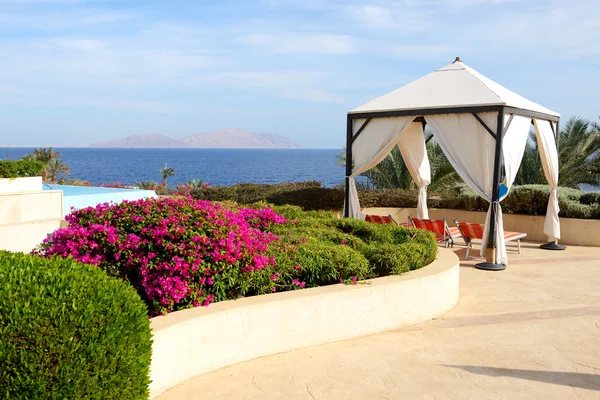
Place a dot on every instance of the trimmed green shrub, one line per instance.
(20, 168)
(386, 259)
(69, 331)
(323, 263)
(590, 198)
(374, 249)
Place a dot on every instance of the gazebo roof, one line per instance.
(455, 85)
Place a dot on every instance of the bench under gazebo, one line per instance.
(481, 127)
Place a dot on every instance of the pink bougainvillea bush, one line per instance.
(180, 252)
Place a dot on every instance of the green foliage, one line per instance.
(578, 156)
(525, 199)
(69, 331)
(74, 182)
(147, 185)
(324, 263)
(20, 168)
(55, 168)
(590, 198)
(43, 154)
(392, 173)
(53, 165)
(368, 250)
(166, 172)
(308, 195)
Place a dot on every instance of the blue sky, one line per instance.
(75, 71)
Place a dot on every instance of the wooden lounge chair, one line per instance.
(383, 219)
(443, 233)
(471, 231)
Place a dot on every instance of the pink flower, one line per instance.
(171, 250)
(296, 282)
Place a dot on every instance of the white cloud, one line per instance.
(315, 96)
(372, 16)
(83, 17)
(154, 58)
(399, 18)
(75, 44)
(302, 43)
(291, 84)
(423, 51)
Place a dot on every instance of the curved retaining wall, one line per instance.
(195, 341)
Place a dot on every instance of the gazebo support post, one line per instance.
(554, 245)
(491, 256)
(348, 164)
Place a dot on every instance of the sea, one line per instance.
(216, 167)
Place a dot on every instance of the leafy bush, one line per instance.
(69, 331)
(526, 199)
(20, 168)
(180, 252)
(387, 249)
(171, 250)
(590, 198)
(74, 182)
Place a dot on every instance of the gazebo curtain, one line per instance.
(374, 143)
(414, 153)
(471, 151)
(549, 156)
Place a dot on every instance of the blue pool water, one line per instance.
(76, 197)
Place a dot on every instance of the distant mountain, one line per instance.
(238, 139)
(143, 141)
(232, 138)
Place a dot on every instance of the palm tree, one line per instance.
(530, 171)
(596, 126)
(392, 173)
(578, 156)
(54, 168)
(194, 184)
(166, 172)
(147, 185)
(443, 174)
(45, 155)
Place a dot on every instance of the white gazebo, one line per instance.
(481, 126)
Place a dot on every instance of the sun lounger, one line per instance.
(443, 233)
(383, 219)
(471, 231)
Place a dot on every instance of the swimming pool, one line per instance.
(86, 196)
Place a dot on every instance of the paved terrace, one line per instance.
(530, 332)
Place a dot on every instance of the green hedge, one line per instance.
(527, 199)
(20, 168)
(69, 331)
(367, 251)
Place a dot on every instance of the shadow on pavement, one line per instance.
(573, 379)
